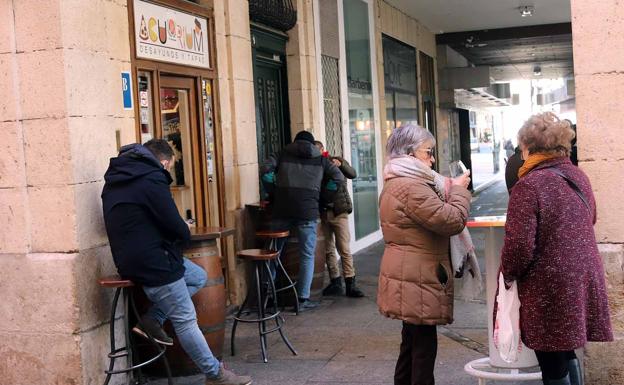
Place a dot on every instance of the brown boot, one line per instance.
(227, 377)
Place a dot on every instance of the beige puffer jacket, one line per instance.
(416, 281)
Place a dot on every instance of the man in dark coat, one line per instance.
(146, 235)
(335, 224)
(511, 169)
(295, 176)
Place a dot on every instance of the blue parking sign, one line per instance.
(126, 89)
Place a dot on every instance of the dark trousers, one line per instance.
(419, 347)
(554, 365)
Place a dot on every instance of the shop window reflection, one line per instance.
(146, 106)
(361, 117)
(174, 106)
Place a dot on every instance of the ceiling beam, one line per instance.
(504, 33)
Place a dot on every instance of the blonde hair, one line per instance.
(546, 133)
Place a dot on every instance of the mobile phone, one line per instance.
(457, 168)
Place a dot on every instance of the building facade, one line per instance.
(225, 88)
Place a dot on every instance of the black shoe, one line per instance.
(151, 326)
(334, 287)
(305, 304)
(352, 290)
(576, 375)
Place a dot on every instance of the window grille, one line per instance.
(331, 105)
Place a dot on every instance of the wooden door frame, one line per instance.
(182, 83)
(158, 69)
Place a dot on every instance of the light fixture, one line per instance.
(526, 10)
(537, 71)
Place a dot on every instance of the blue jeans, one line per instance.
(173, 302)
(306, 231)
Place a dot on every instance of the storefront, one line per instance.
(173, 72)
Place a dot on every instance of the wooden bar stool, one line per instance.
(261, 258)
(124, 286)
(271, 237)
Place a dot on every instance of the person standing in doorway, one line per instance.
(146, 235)
(293, 178)
(335, 225)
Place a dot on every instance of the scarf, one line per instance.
(534, 161)
(462, 249)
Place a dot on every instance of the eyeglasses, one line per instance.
(429, 151)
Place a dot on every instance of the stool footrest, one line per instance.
(272, 330)
(267, 318)
(286, 287)
(142, 364)
(121, 352)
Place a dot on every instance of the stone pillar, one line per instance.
(302, 72)
(236, 106)
(598, 41)
(60, 111)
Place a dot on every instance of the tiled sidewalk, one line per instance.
(347, 342)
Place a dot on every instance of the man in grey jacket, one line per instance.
(335, 224)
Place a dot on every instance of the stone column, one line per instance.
(236, 105)
(598, 42)
(60, 111)
(301, 66)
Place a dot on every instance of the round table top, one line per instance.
(207, 233)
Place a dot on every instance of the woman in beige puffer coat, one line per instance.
(417, 220)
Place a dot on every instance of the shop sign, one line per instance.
(126, 90)
(169, 35)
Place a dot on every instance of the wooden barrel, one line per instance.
(290, 260)
(210, 308)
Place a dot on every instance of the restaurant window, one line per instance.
(361, 117)
(427, 87)
(400, 83)
(146, 106)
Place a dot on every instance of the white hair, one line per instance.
(407, 139)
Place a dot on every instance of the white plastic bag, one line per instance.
(507, 322)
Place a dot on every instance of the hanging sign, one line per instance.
(169, 35)
(126, 90)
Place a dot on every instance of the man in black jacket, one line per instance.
(295, 175)
(146, 235)
(335, 224)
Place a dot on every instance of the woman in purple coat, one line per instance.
(550, 250)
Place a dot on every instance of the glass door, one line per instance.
(361, 117)
(178, 118)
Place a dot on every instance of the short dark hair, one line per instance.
(318, 143)
(160, 148)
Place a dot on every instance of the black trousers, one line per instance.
(554, 365)
(419, 347)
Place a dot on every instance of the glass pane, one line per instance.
(400, 81)
(213, 202)
(146, 106)
(174, 106)
(406, 109)
(361, 117)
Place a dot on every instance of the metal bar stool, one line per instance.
(124, 286)
(271, 237)
(261, 259)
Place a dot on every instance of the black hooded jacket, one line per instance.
(296, 175)
(145, 230)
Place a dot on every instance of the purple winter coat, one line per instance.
(550, 249)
